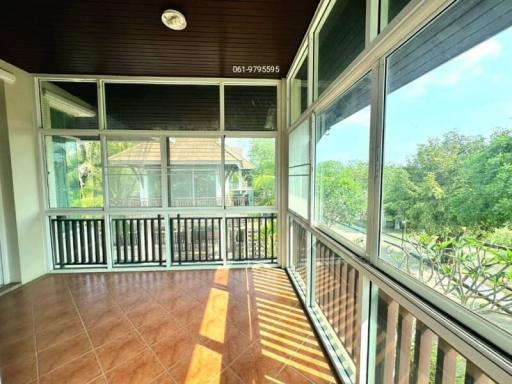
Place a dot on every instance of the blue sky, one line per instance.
(471, 94)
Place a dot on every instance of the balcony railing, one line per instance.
(336, 292)
(251, 238)
(78, 242)
(407, 350)
(299, 245)
(143, 240)
(139, 240)
(196, 240)
(374, 330)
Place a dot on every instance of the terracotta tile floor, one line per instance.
(209, 326)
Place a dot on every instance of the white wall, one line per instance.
(26, 179)
(8, 232)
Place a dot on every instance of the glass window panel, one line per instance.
(195, 176)
(447, 189)
(299, 91)
(75, 176)
(341, 182)
(389, 9)
(340, 39)
(162, 106)
(250, 108)
(72, 105)
(250, 171)
(299, 169)
(134, 173)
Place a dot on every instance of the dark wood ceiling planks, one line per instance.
(115, 37)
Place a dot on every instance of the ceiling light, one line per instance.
(174, 19)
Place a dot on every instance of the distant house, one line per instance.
(195, 174)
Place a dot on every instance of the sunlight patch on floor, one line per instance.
(214, 321)
(205, 366)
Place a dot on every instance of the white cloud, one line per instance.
(465, 66)
(468, 64)
(488, 48)
(361, 117)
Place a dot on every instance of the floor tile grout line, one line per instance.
(136, 329)
(167, 369)
(87, 333)
(148, 346)
(290, 357)
(149, 292)
(67, 362)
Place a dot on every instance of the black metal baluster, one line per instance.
(99, 259)
(252, 239)
(187, 258)
(179, 239)
(259, 238)
(61, 233)
(272, 218)
(140, 256)
(192, 245)
(160, 256)
(206, 240)
(265, 225)
(246, 239)
(76, 251)
(240, 237)
(103, 242)
(125, 242)
(172, 242)
(80, 226)
(132, 242)
(146, 243)
(153, 242)
(199, 239)
(230, 230)
(89, 236)
(54, 240)
(219, 224)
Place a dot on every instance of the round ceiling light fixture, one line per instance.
(174, 19)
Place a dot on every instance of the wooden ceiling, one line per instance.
(126, 37)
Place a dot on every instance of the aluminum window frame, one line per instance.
(486, 329)
(165, 210)
(381, 42)
(303, 57)
(309, 120)
(362, 252)
(57, 79)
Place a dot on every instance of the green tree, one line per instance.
(342, 191)
(433, 176)
(262, 155)
(483, 198)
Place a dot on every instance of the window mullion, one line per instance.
(374, 166)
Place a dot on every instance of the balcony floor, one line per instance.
(207, 326)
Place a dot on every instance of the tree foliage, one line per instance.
(452, 183)
(262, 155)
(342, 191)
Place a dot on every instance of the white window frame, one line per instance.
(381, 40)
(165, 210)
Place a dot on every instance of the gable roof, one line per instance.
(182, 151)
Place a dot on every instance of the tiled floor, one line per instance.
(209, 326)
